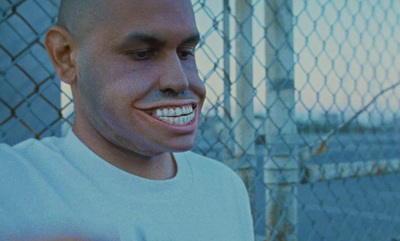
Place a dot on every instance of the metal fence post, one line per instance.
(227, 115)
(281, 170)
(245, 130)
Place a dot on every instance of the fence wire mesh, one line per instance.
(302, 102)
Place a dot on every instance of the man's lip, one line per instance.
(179, 123)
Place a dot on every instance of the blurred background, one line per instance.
(302, 102)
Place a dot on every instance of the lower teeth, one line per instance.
(182, 120)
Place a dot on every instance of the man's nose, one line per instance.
(173, 77)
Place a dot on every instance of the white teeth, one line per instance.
(184, 110)
(176, 115)
(165, 112)
(174, 112)
(178, 111)
(182, 120)
(178, 121)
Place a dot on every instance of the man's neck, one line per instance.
(159, 167)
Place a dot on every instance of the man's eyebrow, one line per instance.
(195, 38)
(154, 40)
(142, 37)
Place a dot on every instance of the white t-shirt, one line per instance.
(57, 187)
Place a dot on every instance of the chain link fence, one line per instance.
(303, 102)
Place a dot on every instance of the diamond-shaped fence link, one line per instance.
(302, 101)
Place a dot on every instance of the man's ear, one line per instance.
(60, 49)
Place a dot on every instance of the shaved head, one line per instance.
(79, 16)
(82, 17)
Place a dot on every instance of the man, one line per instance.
(121, 173)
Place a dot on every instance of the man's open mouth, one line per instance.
(182, 115)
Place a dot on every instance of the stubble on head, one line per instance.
(79, 17)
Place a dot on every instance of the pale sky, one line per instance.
(346, 52)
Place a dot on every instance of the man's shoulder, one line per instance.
(220, 187)
(23, 166)
(28, 154)
(30, 148)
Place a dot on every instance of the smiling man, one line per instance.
(124, 171)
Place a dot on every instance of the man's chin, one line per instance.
(181, 147)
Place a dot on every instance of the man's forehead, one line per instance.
(153, 23)
(118, 18)
(80, 12)
(142, 6)
(153, 14)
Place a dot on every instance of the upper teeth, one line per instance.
(176, 111)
